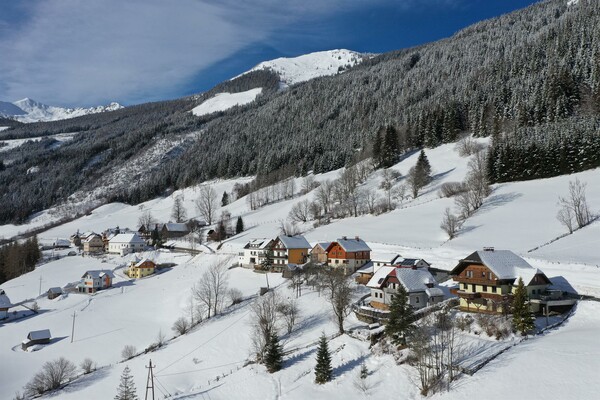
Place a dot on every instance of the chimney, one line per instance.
(344, 237)
(488, 249)
(357, 238)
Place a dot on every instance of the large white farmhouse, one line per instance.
(125, 243)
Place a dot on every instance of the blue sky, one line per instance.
(81, 53)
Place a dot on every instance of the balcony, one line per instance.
(468, 295)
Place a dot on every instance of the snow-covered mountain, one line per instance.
(28, 110)
(313, 65)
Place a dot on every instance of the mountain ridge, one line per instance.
(28, 110)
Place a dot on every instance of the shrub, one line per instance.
(181, 326)
(128, 352)
(450, 189)
(52, 376)
(235, 295)
(88, 365)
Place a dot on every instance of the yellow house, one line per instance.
(141, 269)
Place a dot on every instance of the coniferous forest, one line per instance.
(529, 79)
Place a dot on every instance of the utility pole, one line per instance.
(267, 276)
(73, 328)
(150, 381)
(40, 291)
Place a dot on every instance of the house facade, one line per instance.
(488, 279)
(255, 252)
(289, 250)
(92, 281)
(420, 286)
(141, 269)
(318, 254)
(93, 244)
(126, 243)
(348, 254)
(173, 230)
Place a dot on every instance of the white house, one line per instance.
(95, 280)
(125, 243)
(255, 252)
(419, 284)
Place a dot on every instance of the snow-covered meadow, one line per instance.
(517, 216)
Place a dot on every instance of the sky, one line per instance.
(85, 53)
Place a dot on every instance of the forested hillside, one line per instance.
(531, 79)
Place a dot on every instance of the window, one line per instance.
(485, 288)
(469, 274)
(483, 274)
(417, 300)
(490, 276)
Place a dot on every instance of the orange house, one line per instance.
(348, 254)
(289, 250)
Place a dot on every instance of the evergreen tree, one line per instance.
(267, 262)
(126, 389)
(224, 199)
(239, 226)
(424, 166)
(400, 317)
(323, 370)
(522, 318)
(420, 174)
(274, 354)
(364, 371)
(377, 148)
(155, 236)
(390, 148)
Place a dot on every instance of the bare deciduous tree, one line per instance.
(574, 209)
(211, 289)
(340, 296)
(450, 223)
(289, 228)
(207, 203)
(88, 365)
(324, 195)
(147, 220)
(181, 326)
(290, 312)
(53, 375)
(128, 352)
(300, 212)
(264, 320)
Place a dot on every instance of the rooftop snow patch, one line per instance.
(224, 101)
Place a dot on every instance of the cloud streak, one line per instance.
(76, 52)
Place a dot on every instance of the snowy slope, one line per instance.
(308, 66)
(224, 101)
(28, 110)
(519, 216)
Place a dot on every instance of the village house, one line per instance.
(95, 280)
(419, 284)
(318, 254)
(348, 254)
(255, 253)
(93, 244)
(54, 292)
(5, 305)
(36, 337)
(172, 230)
(488, 279)
(141, 268)
(126, 243)
(289, 250)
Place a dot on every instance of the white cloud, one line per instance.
(76, 52)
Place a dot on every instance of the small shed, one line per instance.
(54, 292)
(36, 337)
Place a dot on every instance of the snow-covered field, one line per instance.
(224, 101)
(14, 143)
(519, 216)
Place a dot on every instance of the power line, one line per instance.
(203, 369)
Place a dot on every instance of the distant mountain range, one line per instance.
(28, 110)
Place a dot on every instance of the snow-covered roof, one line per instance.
(143, 260)
(55, 290)
(379, 277)
(4, 300)
(352, 245)
(434, 292)
(258, 243)
(176, 227)
(62, 242)
(127, 238)
(504, 264)
(39, 335)
(366, 269)
(294, 242)
(98, 274)
(323, 245)
(91, 237)
(409, 262)
(414, 280)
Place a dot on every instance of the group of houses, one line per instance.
(114, 240)
(486, 279)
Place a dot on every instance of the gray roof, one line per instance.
(410, 262)
(98, 274)
(505, 264)
(379, 277)
(176, 227)
(39, 335)
(55, 290)
(352, 245)
(414, 280)
(257, 243)
(294, 242)
(323, 245)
